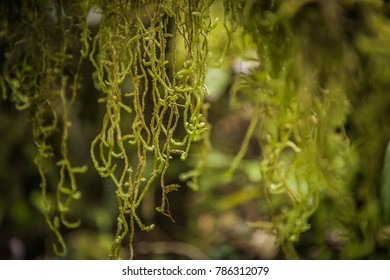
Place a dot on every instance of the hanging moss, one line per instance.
(317, 97)
(306, 92)
(33, 77)
(138, 136)
(133, 42)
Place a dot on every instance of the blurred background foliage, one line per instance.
(295, 161)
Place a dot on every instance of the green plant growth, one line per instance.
(316, 95)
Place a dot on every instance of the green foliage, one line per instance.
(32, 73)
(145, 97)
(302, 93)
(316, 97)
(133, 42)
